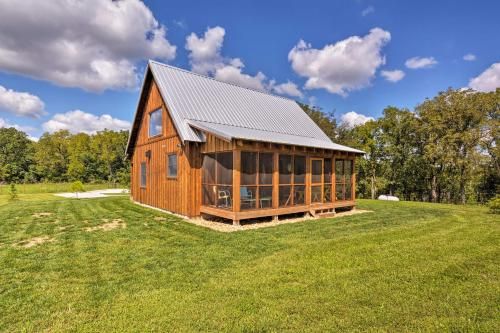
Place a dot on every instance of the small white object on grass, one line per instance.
(388, 197)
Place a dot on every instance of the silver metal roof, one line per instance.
(197, 102)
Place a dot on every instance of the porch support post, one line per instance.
(334, 180)
(308, 180)
(236, 181)
(276, 179)
(353, 189)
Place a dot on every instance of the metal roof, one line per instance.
(229, 132)
(198, 102)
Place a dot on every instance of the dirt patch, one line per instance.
(227, 227)
(108, 225)
(352, 212)
(159, 218)
(35, 241)
(42, 214)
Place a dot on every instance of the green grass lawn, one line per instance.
(52, 187)
(404, 267)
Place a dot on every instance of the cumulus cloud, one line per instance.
(206, 58)
(420, 62)
(347, 65)
(77, 121)
(92, 44)
(469, 57)
(489, 80)
(288, 88)
(367, 10)
(21, 103)
(393, 76)
(352, 119)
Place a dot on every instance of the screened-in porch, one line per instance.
(242, 184)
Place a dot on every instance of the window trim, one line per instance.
(141, 185)
(169, 176)
(149, 123)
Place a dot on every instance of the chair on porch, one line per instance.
(225, 196)
(246, 197)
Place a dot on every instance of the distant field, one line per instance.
(53, 187)
(105, 265)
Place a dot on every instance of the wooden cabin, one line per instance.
(199, 146)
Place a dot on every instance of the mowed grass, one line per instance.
(404, 267)
(52, 188)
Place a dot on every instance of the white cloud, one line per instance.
(420, 62)
(393, 76)
(352, 119)
(489, 80)
(288, 88)
(206, 58)
(77, 121)
(367, 10)
(21, 103)
(5, 124)
(205, 52)
(92, 44)
(469, 57)
(347, 65)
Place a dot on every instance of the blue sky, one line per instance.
(63, 66)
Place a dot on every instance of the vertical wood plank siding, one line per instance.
(180, 195)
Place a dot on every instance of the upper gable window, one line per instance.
(155, 123)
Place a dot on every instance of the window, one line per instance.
(217, 180)
(143, 174)
(172, 165)
(155, 123)
(343, 180)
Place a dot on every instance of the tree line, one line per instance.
(445, 150)
(62, 156)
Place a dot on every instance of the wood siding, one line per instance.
(180, 194)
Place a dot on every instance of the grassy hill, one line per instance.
(404, 267)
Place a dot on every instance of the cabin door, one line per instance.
(317, 165)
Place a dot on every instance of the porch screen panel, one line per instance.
(217, 180)
(299, 180)
(343, 180)
(224, 167)
(208, 187)
(248, 180)
(285, 163)
(327, 178)
(265, 180)
(316, 180)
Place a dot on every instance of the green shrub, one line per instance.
(494, 205)
(13, 192)
(77, 187)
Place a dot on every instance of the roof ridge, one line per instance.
(211, 78)
(251, 128)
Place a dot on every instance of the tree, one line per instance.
(77, 187)
(452, 123)
(109, 150)
(16, 155)
(80, 158)
(52, 156)
(13, 192)
(325, 121)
